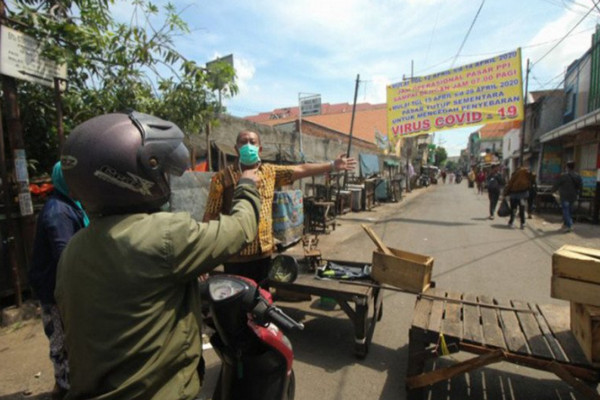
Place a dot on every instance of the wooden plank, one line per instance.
(439, 375)
(577, 263)
(582, 388)
(452, 323)
(557, 317)
(513, 335)
(380, 245)
(585, 325)
(437, 309)
(556, 348)
(529, 325)
(588, 374)
(573, 290)
(490, 324)
(421, 313)
(472, 320)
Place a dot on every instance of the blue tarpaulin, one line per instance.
(288, 216)
(369, 164)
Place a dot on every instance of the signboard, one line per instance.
(550, 168)
(310, 105)
(474, 94)
(588, 178)
(228, 59)
(20, 58)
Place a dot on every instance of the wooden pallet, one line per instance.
(524, 333)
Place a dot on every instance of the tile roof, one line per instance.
(290, 113)
(497, 130)
(366, 122)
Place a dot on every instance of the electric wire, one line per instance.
(468, 33)
(565, 36)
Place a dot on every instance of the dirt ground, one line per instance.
(23, 373)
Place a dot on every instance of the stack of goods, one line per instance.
(576, 278)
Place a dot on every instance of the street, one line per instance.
(471, 254)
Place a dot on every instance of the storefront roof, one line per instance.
(586, 121)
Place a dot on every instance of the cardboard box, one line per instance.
(585, 325)
(574, 290)
(405, 270)
(579, 263)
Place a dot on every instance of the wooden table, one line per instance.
(363, 305)
(534, 335)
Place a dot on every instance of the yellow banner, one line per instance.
(474, 94)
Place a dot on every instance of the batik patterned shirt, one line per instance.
(270, 177)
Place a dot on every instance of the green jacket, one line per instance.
(127, 291)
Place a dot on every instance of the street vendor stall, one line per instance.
(362, 304)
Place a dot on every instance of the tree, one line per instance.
(112, 67)
(440, 156)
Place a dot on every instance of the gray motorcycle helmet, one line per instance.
(118, 163)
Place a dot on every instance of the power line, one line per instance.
(566, 35)
(468, 32)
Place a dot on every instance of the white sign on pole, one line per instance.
(310, 105)
(20, 58)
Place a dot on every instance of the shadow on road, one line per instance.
(424, 221)
(494, 382)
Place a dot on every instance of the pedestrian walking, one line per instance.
(569, 186)
(479, 180)
(517, 190)
(494, 183)
(532, 195)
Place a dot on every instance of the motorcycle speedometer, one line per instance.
(223, 288)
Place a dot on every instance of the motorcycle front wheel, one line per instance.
(291, 389)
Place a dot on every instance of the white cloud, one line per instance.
(553, 58)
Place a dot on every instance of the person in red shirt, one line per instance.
(479, 180)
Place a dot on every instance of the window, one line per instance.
(570, 105)
(588, 156)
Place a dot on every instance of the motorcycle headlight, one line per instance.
(221, 289)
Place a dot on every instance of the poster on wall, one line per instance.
(588, 177)
(550, 168)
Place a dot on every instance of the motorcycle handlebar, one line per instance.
(282, 319)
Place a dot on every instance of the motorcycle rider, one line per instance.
(127, 284)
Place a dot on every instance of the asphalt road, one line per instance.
(471, 254)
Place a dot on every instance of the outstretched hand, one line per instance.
(343, 163)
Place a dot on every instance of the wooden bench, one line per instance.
(533, 335)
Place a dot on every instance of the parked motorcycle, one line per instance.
(424, 180)
(256, 356)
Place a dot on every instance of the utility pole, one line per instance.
(351, 126)
(524, 124)
(408, 141)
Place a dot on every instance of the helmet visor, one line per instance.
(178, 161)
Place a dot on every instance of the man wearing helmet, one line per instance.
(127, 284)
(254, 260)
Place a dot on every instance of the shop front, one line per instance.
(579, 141)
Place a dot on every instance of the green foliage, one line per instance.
(113, 66)
(451, 165)
(440, 155)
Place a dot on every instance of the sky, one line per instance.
(286, 49)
